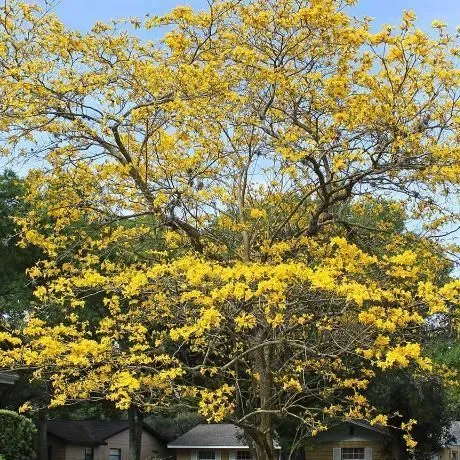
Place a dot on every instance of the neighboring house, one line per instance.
(353, 440)
(451, 451)
(222, 441)
(99, 440)
(8, 378)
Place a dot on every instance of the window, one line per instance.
(454, 455)
(89, 453)
(353, 453)
(206, 455)
(243, 455)
(115, 454)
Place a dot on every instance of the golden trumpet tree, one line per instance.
(206, 201)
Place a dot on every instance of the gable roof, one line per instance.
(212, 435)
(90, 432)
(366, 425)
(338, 430)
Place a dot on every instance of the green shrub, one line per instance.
(17, 435)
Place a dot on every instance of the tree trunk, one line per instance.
(135, 432)
(42, 436)
(263, 435)
(261, 445)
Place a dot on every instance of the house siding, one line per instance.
(150, 447)
(324, 451)
(75, 453)
(346, 435)
(186, 454)
(101, 453)
(446, 453)
(71, 452)
(119, 441)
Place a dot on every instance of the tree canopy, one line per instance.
(221, 195)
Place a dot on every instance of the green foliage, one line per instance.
(15, 288)
(446, 351)
(172, 426)
(16, 436)
(88, 410)
(413, 397)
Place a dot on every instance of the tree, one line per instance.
(419, 398)
(201, 188)
(444, 349)
(16, 290)
(16, 436)
(172, 425)
(16, 294)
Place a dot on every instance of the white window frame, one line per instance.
(114, 448)
(217, 454)
(233, 454)
(337, 452)
(354, 453)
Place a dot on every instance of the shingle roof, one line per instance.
(8, 377)
(212, 435)
(89, 432)
(377, 428)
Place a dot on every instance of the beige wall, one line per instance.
(186, 454)
(70, 452)
(75, 453)
(182, 454)
(446, 453)
(324, 451)
(150, 446)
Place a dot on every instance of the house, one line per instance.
(353, 440)
(451, 450)
(99, 440)
(222, 441)
(8, 378)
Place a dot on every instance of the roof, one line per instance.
(216, 435)
(90, 432)
(454, 434)
(377, 428)
(8, 377)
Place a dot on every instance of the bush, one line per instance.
(17, 435)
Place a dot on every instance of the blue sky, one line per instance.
(81, 14)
